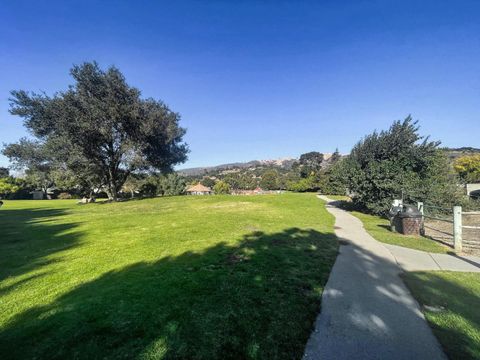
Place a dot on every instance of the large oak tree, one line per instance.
(101, 127)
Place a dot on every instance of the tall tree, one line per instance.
(35, 158)
(383, 165)
(103, 126)
(310, 163)
(269, 180)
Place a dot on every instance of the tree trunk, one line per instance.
(113, 195)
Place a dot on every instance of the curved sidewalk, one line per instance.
(367, 312)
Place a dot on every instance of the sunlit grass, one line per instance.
(379, 228)
(450, 302)
(191, 277)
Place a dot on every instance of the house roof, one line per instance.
(198, 188)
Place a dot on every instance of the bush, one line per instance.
(303, 185)
(385, 165)
(171, 184)
(221, 187)
(269, 180)
(64, 196)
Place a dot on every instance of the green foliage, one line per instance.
(233, 181)
(221, 187)
(208, 182)
(37, 160)
(334, 180)
(7, 186)
(133, 184)
(171, 185)
(384, 164)
(100, 127)
(310, 163)
(247, 182)
(270, 180)
(468, 168)
(303, 185)
(4, 172)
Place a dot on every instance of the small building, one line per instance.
(199, 189)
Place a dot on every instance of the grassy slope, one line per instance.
(379, 228)
(457, 325)
(192, 277)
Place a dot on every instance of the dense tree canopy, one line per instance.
(310, 163)
(385, 165)
(269, 180)
(100, 128)
(171, 184)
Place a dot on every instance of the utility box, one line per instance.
(410, 219)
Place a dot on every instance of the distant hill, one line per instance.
(285, 163)
(454, 153)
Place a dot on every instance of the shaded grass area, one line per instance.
(452, 301)
(181, 277)
(379, 228)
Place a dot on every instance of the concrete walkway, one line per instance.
(367, 312)
(415, 260)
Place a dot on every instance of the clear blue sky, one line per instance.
(261, 79)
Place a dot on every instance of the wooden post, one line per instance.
(457, 228)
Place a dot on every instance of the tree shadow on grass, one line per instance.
(257, 299)
(454, 306)
(29, 236)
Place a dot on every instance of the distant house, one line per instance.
(199, 189)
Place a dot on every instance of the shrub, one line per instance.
(64, 196)
(384, 165)
(269, 180)
(303, 185)
(171, 184)
(468, 168)
(221, 187)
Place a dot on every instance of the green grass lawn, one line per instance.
(453, 301)
(181, 277)
(379, 228)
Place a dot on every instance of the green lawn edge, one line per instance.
(450, 303)
(178, 277)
